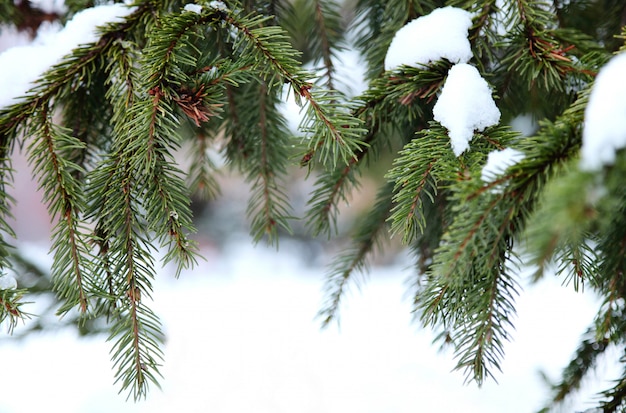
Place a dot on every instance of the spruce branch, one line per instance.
(319, 30)
(10, 308)
(584, 361)
(334, 132)
(316, 29)
(366, 241)
(201, 175)
(378, 108)
(471, 261)
(105, 124)
(152, 137)
(61, 189)
(331, 188)
(415, 174)
(335, 135)
(614, 398)
(469, 291)
(72, 68)
(593, 345)
(377, 22)
(326, 14)
(6, 231)
(265, 146)
(136, 332)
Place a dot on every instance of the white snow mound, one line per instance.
(440, 34)
(465, 106)
(604, 131)
(498, 162)
(51, 44)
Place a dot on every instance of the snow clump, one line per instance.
(218, 5)
(51, 44)
(194, 8)
(604, 130)
(7, 282)
(50, 6)
(498, 162)
(438, 35)
(465, 106)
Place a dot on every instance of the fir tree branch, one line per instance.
(6, 201)
(61, 75)
(133, 356)
(10, 308)
(415, 174)
(316, 29)
(476, 311)
(70, 271)
(468, 292)
(328, 21)
(334, 132)
(366, 241)
(152, 137)
(268, 205)
(615, 398)
(201, 175)
(136, 332)
(379, 111)
(377, 22)
(331, 189)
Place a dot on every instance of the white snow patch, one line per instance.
(51, 44)
(7, 282)
(498, 162)
(219, 5)
(465, 105)
(524, 124)
(50, 6)
(604, 131)
(194, 8)
(440, 34)
(11, 37)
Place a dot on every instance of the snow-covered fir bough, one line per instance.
(473, 198)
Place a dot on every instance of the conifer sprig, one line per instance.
(418, 172)
(260, 148)
(367, 240)
(377, 22)
(335, 134)
(317, 29)
(331, 188)
(328, 21)
(379, 111)
(127, 254)
(201, 176)
(11, 312)
(61, 190)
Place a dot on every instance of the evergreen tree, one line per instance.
(102, 126)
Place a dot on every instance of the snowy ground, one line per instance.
(242, 338)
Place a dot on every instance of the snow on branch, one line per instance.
(49, 48)
(498, 162)
(441, 34)
(604, 130)
(465, 105)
